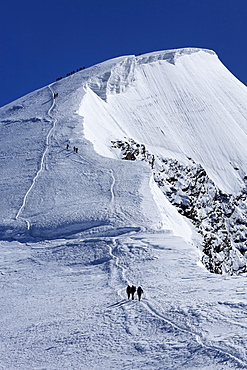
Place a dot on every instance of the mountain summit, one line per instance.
(148, 142)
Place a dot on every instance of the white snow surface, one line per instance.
(179, 103)
(76, 228)
(63, 305)
(190, 107)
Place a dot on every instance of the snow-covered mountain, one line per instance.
(181, 112)
(132, 171)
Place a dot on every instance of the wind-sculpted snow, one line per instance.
(170, 56)
(122, 74)
(114, 81)
(179, 103)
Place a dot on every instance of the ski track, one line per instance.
(41, 162)
(155, 313)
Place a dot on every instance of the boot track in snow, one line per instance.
(155, 313)
(42, 162)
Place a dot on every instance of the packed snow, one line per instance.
(79, 222)
(63, 305)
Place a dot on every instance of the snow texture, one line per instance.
(159, 169)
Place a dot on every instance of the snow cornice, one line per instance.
(169, 55)
(115, 75)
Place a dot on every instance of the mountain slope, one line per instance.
(183, 113)
(191, 107)
(160, 169)
(178, 105)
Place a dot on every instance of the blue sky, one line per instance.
(41, 40)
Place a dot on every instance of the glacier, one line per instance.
(154, 196)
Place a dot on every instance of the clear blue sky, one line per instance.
(41, 40)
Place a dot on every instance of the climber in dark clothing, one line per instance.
(133, 290)
(128, 291)
(139, 292)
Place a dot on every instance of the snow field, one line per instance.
(63, 304)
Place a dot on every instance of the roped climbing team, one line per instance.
(130, 290)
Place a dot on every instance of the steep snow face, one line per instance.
(180, 104)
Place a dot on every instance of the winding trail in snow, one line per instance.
(118, 265)
(112, 191)
(155, 313)
(42, 162)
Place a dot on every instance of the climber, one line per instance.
(139, 292)
(132, 291)
(128, 291)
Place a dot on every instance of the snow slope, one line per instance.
(186, 106)
(77, 227)
(47, 189)
(63, 305)
(179, 103)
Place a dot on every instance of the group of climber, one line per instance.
(71, 73)
(75, 149)
(130, 290)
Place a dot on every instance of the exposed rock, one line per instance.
(220, 218)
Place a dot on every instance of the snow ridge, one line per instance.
(122, 74)
(170, 56)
